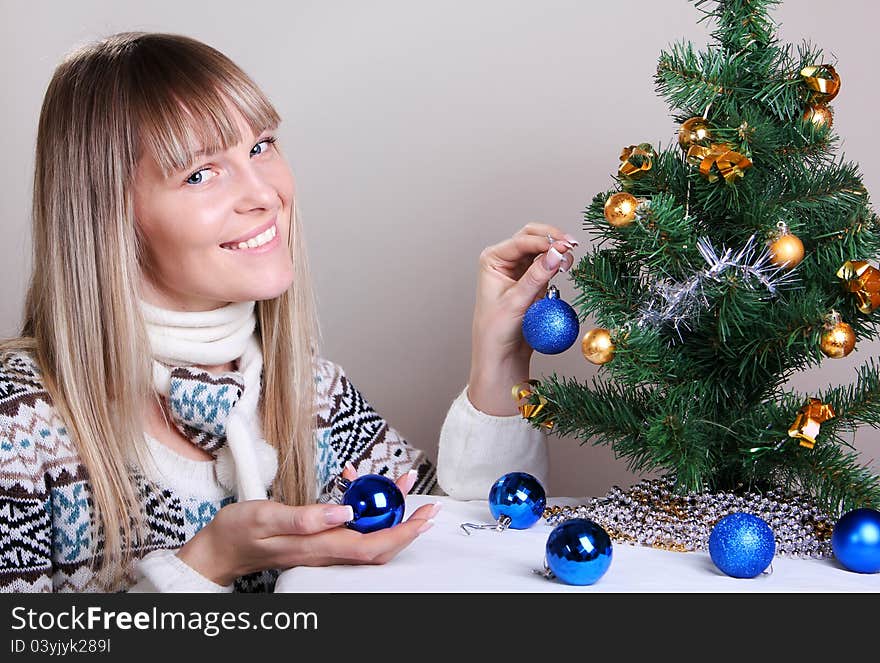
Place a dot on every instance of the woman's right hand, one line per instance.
(245, 537)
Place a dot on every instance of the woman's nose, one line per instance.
(256, 189)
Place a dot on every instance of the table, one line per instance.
(444, 559)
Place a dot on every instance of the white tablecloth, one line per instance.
(445, 559)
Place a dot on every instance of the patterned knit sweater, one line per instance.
(45, 498)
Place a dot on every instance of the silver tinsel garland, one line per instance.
(679, 303)
(651, 513)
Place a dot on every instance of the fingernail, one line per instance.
(552, 259)
(413, 474)
(563, 266)
(566, 264)
(336, 515)
(428, 524)
(571, 239)
(436, 508)
(349, 466)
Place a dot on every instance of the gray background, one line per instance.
(420, 132)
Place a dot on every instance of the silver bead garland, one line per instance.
(651, 513)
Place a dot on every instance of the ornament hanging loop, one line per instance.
(502, 524)
(337, 490)
(832, 319)
(545, 573)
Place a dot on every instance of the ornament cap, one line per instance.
(552, 292)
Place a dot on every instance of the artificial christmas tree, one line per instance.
(727, 261)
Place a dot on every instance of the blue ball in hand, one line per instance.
(377, 503)
(742, 545)
(550, 325)
(856, 540)
(578, 551)
(517, 496)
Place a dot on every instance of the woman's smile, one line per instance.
(260, 240)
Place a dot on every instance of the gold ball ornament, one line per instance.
(693, 132)
(820, 115)
(786, 251)
(620, 209)
(838, 340)
(597, 346)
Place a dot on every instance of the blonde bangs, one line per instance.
(181, 102)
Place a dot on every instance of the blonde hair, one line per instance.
(109, 103)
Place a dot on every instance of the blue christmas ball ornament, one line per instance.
(550, 325)
(856, 540)
(517, 500)
(376, 501)
(742, 545)
(578, 551)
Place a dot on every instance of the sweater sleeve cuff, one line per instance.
(476, 448)
(164, 571)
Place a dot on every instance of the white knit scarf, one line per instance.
(246, 462)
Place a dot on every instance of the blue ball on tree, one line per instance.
(550, 325)
(742, 545)
(856, 540)
(376, 501)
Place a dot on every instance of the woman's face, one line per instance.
(217, 232)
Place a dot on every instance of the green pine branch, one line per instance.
(855, 404)
(833, 475)
(741, 24)
(607, 286)
(631, 423)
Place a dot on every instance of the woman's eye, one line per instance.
(266, 142)
(200, 176)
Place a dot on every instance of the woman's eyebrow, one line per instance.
(201, 152)
(193, 156)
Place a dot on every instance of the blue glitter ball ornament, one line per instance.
(550, 325)
(742, 545)
(376, 501)
(856, 540)
(578, 551)
(518, 496)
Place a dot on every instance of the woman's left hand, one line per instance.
(513, 274)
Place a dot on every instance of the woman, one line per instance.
(167, 378)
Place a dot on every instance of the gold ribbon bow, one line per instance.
(823, 81)
(638, 167)
(730, 164)
(809, 417)
(863, 280)
(522, 391)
